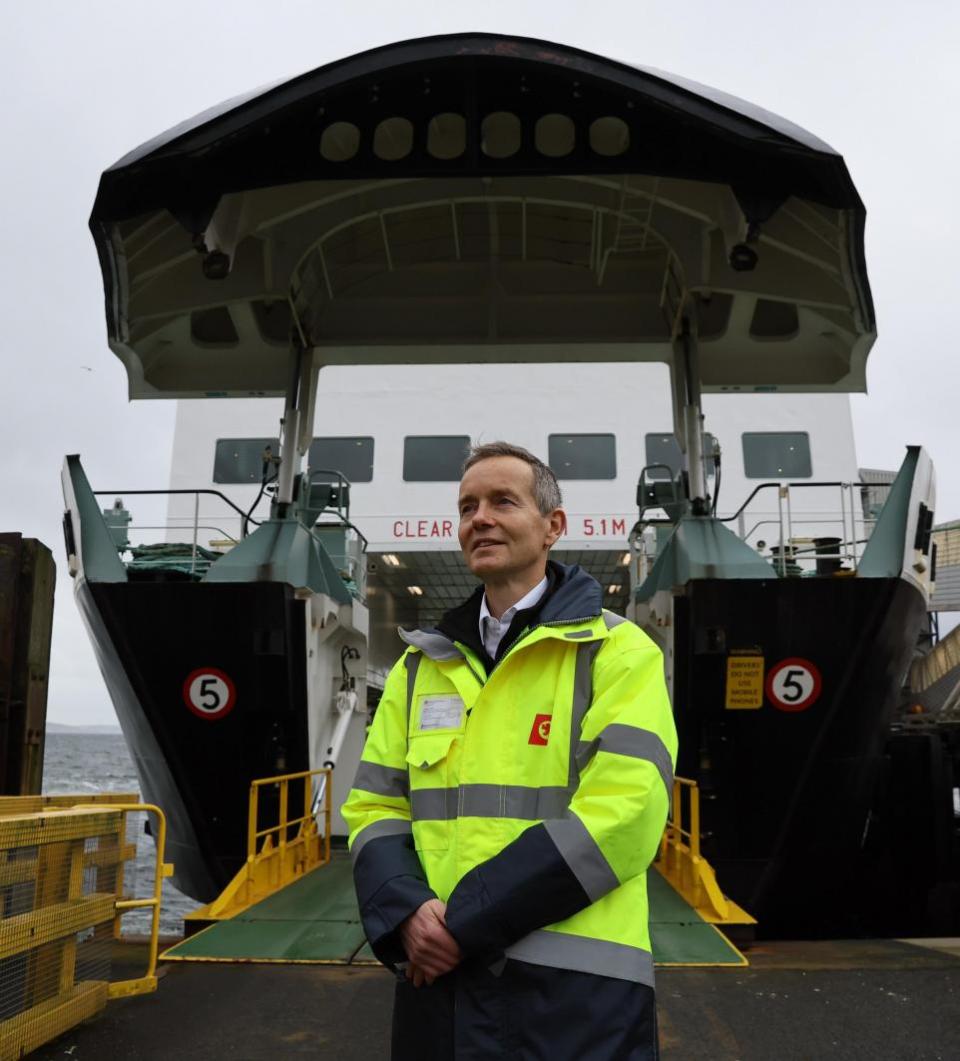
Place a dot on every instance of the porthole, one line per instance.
(554, 135)
(500, 135)
(609, 136)
(393, 139)
(340, 141)
(447, 136)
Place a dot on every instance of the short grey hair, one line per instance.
(546, 489)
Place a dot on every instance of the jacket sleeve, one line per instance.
(387, 873)
(612, 828)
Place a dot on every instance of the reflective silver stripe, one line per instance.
(612, 619)
(378, 829)
(382, 780)
(412, 663)
(582, 698)
(489, 801)
(582, 854)
(632, 741)
(431, 643)
(578, 635)
(560, 950)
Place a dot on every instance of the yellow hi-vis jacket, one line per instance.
(530, 800)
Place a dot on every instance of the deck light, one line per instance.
(391, 559)
(743, 258)
(415, 591)
(625, 560)
(614, 587)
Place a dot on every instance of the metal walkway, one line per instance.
(315, 920)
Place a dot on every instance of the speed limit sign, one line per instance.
(209, 693)
(793, 684)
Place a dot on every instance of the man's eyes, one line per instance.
(466, 509)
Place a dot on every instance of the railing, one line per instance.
(853, 529)
(193, 525)
(274, 857)
(835, 533)
(681, 863)
(63, 894)
(349, 560)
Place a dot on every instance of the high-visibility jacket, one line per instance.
(530, 800)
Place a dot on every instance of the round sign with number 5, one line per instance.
(209, 693)
(793, 684)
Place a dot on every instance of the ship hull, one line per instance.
(789, 796)
(149, 638)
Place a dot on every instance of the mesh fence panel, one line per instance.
(59, 878)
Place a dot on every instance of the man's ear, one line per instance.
(557, 526)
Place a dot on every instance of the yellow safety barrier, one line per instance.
(61, 899)
(283, 851)
(681, 863)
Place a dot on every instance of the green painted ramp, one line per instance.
(316, 920)
(679, 935)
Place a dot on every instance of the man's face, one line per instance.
(502, 531)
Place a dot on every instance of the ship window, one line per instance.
(583, 456)
(240, 460)
(500, 135)
(609, 136)
(777, 455)
(393, 139)
(352, 457)
(447, 136)
(554, 135)
(663, 448)
(434, 458)
(339, 142)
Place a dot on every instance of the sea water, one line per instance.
(99, 762)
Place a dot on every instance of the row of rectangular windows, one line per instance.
(439, 458)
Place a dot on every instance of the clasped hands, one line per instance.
(430, 948)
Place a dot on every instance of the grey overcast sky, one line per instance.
(81, 83)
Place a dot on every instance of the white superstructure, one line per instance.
(611, 419)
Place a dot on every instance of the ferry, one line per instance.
(347, 279)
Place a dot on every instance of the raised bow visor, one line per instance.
(482, 198)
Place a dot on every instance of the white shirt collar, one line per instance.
(492, 630)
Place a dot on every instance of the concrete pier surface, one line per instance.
(848, 1000)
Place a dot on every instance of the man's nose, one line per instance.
(483, 517)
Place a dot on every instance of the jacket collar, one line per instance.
(572, 596)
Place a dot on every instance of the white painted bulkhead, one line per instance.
(415, 522)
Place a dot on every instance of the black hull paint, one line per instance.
(789, 798)
(796, 809)
(148, 637)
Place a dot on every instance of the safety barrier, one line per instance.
(681, 863)
(282, 851)
(62, 896)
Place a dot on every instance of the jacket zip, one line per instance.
(520, 640)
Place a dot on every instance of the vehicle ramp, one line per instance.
(309, 912)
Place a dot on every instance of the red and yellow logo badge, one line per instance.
(540, 733)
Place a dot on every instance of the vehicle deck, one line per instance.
(878, 999)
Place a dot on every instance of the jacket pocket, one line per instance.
(433, 793)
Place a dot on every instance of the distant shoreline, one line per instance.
(62, 727)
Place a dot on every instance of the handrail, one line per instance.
(779, 485)
(273, 859)
(198, 490)
(284, 824)
(682, 864)
(147, 983)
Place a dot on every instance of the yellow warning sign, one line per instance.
(744, 683)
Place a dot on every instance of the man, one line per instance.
(512, 793)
